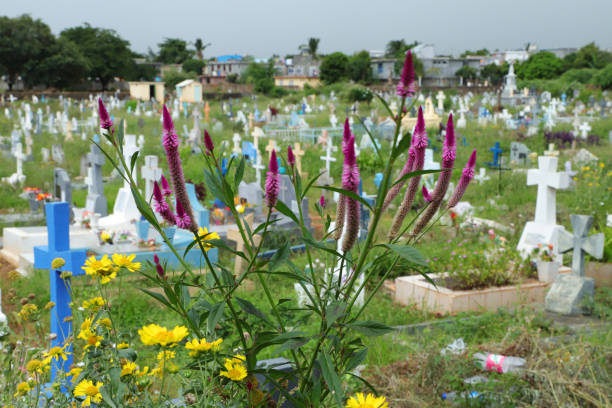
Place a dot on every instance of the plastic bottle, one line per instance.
(499, 363)
(450, 396)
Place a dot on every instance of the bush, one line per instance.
(334, 68)
(173, 77)
(194, 65)
(360, 94)
(603, 78)
(232, 78)
(584, 75)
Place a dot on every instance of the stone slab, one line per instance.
(567, 293)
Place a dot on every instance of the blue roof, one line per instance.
(225, 58)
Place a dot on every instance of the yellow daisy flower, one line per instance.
(57, 353)
(103, 269)
(122, 346)
(95, 303)
(126, 261)
(22, 389)
(128, 368)
(197, 346)
(91, 338)
(74, 373)
(91, 392)
(154, 334)
(235, 371)
(57, 263)
(35, 365)
(369, 401)
(204, 236)
(216, 345)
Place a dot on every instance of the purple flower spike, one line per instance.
(272, 181)
(290, 157)
(160, 269)
(165, 187)
(182, 219)
(406, 86)
(161, 206)
(426, 194)
(394, 191)
(208, 143)
(322, 201)
(448, 161)
(171, 144)
(105, 120)
(350, 181)
(466, 176)
(347, 131)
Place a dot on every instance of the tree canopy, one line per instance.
(542, 65)
(313, 46)
(334, 68)
(467, 72)
(359, 67)
(194, 65)
(174, 51)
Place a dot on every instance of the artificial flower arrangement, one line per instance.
(214, 357)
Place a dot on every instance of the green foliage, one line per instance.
(313, 46)
(494, 73)
(63, 67)
(173, 77)
(261, 75)
(467, 72)
(603, 78)
(173, 51)
(334, 68)
(482, 51)
(581, 75)
(107, 54)
(589, 56)
(200, 47)
(194, 65)
(232, 78)
(359, 68)
(543, 65)
(360, 94)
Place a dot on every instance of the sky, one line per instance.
(266, 27)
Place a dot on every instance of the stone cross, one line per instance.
(551, 152)
(234, 235)
(585, 128)
(271, 146)
(258, 166)
(96, 201)
(440, 97)
(548, 181)
(580, 242)
(20, 157)
(328, 158)
(298, 153)
(150, 174)
(58, 223)
(481, 176)
(236, 139)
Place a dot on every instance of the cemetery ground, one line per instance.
(568, 359)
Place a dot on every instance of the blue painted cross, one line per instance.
(465, 143)
(58, 229)
(496, 153)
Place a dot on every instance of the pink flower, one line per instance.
(395, 189)
(448, 161)
(208, 143)
(272, 181)
(182, 219)
(105, 120)
(165, 187)
(290, 157)
(161, 206)
(406, 86)
(466, 176)
(322, 201)
(426, 195)
(350, 181)
(171, 144)
(160, 269)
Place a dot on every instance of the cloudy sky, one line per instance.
(262, 28)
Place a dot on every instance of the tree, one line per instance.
(589, 56)
(63, 67)
(173, 51)
(313, 45)
(261, 75)
(107, 54)
(194, 65)
(467, 72)
(494, 73)
(200, 47)
(359, 67)
(334, 68)
(23, 40)
(482, 51)
(543, 65)
(603, 78)
(172, 77)
(395, 47)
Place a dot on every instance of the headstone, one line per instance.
(328, 159)
(57, 154)
(481, 177)
(584, 157)
(96, 201)
(519, 153)
(58, 223)
(62, 187)
(551, 152)
(150, 174)
(568, 291)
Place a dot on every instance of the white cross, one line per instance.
(20, 157)
(328, 158)
(236, 139)
(585, 128)
(150, 174)
(548, 181)
(551, 151)
(482, 176)
(271, 146)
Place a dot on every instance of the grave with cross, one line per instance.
(299, 153)
(544, 229)
(96, 201)
(236, 236)
(551, 152)
(150, 174)
(569, 290)
(326, 178)
(271, 146)
(584, 128)
(58, 222)
(497, 151)
(481, 177)
(236, 147)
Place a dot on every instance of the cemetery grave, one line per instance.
(473, 254)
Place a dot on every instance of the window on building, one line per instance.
(380, 67)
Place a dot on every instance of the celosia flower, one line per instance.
(272, 181)
(208, 143)
(466, 176)
(369, 401)
(420, 144)
(350, 182)
(406, 84)
(426, 195)
(171, 144)
(165, 187)
(322, 201)
(448, 161)
(395, 189)
(158, 267)
(105, 121)
(161, 206)
(341, 207)
(91, 392)
(182, 219)
(290, 157)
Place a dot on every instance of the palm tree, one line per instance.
(200, 47)
(313, 44)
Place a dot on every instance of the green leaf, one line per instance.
(310, 183)
(414, 174)
(216, 312)
(133, 161)
(402, 146)
(159, 297)
(334, 311)
(331, 377)
(323, 247)
(407, 252)
(106, 396)
(370, 328)
(356, 358)
(283, 209)
(214, 186)
(250, 308)
(348, 193)
(291, 344)
(280, 256)
(239, 173)
(263, 225)
(120, 135)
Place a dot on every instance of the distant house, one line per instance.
(383, 68)
(441, 71)
(189, 91)
(296, 82)
(165, 68)
(146, 90)
(218, 69)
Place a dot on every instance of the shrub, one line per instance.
(360, 94)
(603, 78)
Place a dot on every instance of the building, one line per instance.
(562, 52)
(189, 91)
(146, 90)
(441, 71)
(296, 82)
(383, 69)
(218, 69)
